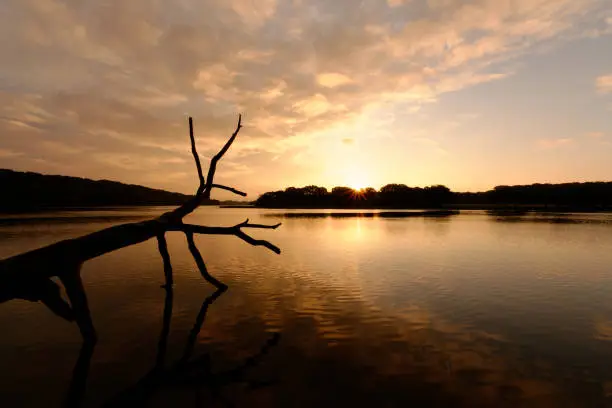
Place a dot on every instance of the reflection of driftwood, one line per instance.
(28, 275)
(194, 373)
(76, 391)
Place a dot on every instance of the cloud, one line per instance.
(396, 3)
(554, 143)
(594, 135)
(604, 84)
(316, 105)
(332, 79)
(9, 153)
(254, 13)
(121, 76)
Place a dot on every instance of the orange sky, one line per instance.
(470, 94)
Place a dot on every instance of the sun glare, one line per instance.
(356, 179)
(356, 185)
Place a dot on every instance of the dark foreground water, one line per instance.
(467, 310)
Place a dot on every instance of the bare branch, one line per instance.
(233, 190)
(257, 242)
(213, 162)
(196, 157)
(234, 230)
(247, 224)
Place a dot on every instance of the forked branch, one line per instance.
(205, 187)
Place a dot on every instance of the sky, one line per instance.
(466, 93)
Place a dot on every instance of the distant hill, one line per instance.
(26, 191)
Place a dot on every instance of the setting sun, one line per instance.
(356, 185)
(355, 177)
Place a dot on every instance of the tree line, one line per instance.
(27, 191)
(588, 196)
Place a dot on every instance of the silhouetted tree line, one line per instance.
(389, 196)
(25, 191)
(588, 196)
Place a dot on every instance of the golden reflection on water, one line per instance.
(413, 349)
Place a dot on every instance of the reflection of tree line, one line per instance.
(588, 196)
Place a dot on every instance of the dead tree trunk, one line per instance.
(28, 275)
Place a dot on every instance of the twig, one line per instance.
(233, 190)
(247, 224)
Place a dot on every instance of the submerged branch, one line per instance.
(200, 263)
(162, 246)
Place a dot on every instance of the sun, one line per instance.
(353, 175)
(356, 185)
(356, 179)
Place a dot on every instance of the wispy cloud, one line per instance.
(9, 153)
(554, 143)
(595, 135)
(396, 3)
(332, 79)
(604, 83)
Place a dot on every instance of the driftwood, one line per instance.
(29, 275)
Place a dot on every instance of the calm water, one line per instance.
(469, 310)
